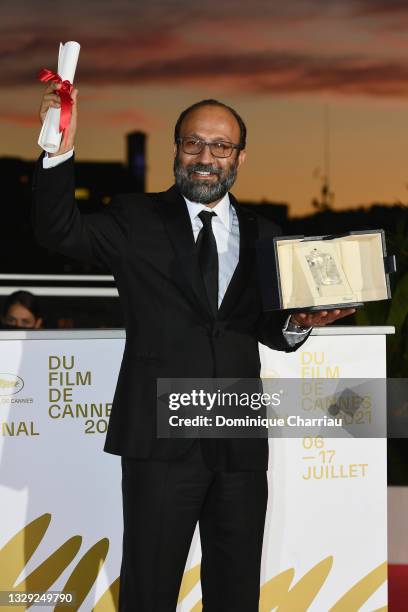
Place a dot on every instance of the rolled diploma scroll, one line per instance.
(50, 136)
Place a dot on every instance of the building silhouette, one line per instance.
(136, 157)
(95, 184)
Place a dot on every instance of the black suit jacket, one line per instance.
(147, 242)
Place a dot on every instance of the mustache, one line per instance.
(203, 168)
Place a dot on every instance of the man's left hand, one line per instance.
(320, 318)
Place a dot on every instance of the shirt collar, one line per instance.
(222, 209)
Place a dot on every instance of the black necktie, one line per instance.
(208, 258)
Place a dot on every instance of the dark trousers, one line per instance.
(162, 502)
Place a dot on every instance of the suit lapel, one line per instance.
(185, 270)
(247, 236)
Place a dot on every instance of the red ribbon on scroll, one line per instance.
(64, 93)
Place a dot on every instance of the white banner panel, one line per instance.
(327, 514)
(60, 499)
(55, 481)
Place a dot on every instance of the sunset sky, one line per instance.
(280, 63)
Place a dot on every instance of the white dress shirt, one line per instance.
(51, 162)
(225, 227)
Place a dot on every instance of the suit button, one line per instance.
(212, 330)
(215, 332)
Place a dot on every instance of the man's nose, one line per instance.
(205, 157)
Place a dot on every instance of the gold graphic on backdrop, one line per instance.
(88, 567)
(279, 593)
(109, 600)
(356, 597)
(17, 552)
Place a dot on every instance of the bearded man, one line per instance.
(184, 264)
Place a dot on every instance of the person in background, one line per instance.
(22, 310)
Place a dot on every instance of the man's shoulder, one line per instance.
(266, 226)
(137, 203)
(142, 210)
(135, 198)
(141, 200)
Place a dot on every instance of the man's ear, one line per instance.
(175, 150)
(241, 157)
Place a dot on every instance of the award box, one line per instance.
(299, 273)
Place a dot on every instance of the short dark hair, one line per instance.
(24, 298)
(211, 102)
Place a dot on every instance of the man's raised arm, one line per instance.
(57, 222)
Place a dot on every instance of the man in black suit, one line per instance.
(185, 269)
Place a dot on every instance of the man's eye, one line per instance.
(222, 146)
(192, 142)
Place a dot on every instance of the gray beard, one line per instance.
(202, 191)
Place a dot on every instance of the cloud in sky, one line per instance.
(279, 61)
(132, 117)
(282, 47)
(19, 118)
(381, 7)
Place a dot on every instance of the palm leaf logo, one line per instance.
(279, 593)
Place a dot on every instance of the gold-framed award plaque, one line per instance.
(299, 273)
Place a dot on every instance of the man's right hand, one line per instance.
(51, 99)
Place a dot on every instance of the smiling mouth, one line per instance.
(202, 174)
